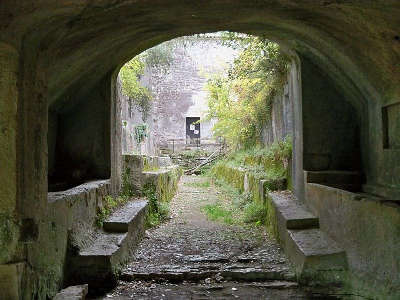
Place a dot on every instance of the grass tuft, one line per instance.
(216, 212)
(254, 213)
(200, 184)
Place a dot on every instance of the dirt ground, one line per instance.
(191, 257)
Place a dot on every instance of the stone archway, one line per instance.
(56, 54)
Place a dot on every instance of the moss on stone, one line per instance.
(271, 220)
(127, 188)
(149, 165)
(9, 234)
(167, 184)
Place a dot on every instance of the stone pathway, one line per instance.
(191, 257)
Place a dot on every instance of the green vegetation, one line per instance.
(200, 184)
(149, 165)
(158, 211)
(254, 213)
(253, 164)
(140, 132)
(241, 100)
(127, 189)
(269, 163)
(187, 154)
(139, 95)
(109, 205)
(235, 207)
(216, 212)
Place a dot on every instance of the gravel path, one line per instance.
(191, 257)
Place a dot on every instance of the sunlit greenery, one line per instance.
(158, 211)
(110, 204)
(130, 75)
(216, 212)
(234, 207)
(241, 99)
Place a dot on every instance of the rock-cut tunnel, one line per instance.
(59, 62)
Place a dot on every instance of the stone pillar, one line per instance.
(10, 273)
(295, 93)
(116, 132)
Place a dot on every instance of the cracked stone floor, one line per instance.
(191, 257)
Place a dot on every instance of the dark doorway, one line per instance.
(192, 130)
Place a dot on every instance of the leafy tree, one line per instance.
(130, 75)
(241, 100)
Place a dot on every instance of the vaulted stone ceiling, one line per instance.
(79, 41)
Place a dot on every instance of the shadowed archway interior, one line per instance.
(58, 70)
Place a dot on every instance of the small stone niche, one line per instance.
(391, 126)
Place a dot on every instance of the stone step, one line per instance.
(346, 187)
(180, 273)
(106, 245)
(315, 255)
(98, 263)
(333, 177)
(292, 214)
(125, 217)
(95, 264)
(257, 274)
(76, 292)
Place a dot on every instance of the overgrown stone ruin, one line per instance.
(175, 74)
(60, 122)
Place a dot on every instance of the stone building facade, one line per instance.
(179, 96)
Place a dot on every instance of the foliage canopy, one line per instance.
(130, 75)
(241, 99)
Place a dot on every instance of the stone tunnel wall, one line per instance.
(79, 139)
(280, 125)
(331, 125)
(131, 117)
(46, 48)
(368, 228)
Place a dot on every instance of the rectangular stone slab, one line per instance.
(76, 292)
(292, 214)
(333, 177)
(312, 251)
(11, 280)
(120, 220)
(354, 188)
(105, 245)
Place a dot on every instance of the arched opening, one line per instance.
(63, 54)
(325, 125)
(327, 118)
(318, 101)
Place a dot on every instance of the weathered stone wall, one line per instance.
(79, 137)
(116, 133)
(179, 90)
(51, 48)
(10, 273)
(131, 117)
(71, 211)
(280, 124)
(331, 133)
(138, 172)
(368, 228)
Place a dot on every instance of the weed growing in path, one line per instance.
(234, 207)
(254, 213)
(200, 184)
(216, 212)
